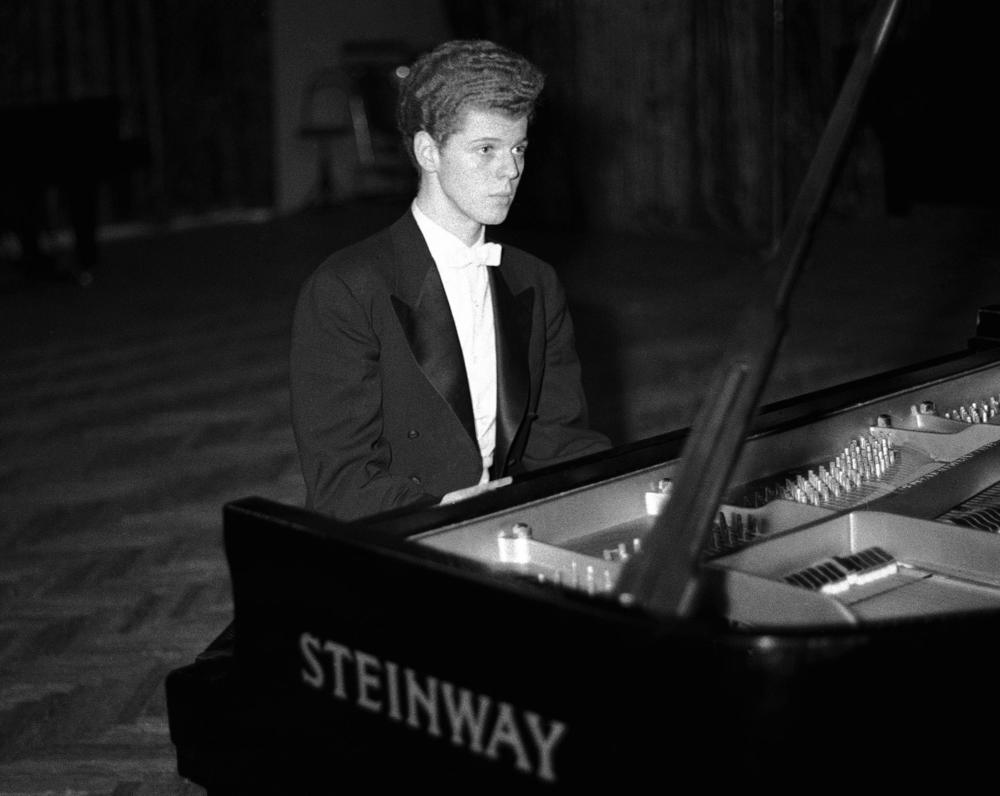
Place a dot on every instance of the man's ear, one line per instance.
(425, 150)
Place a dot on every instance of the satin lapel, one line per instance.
(512, 318)
(425, 316)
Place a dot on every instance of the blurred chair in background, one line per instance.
(349, 111)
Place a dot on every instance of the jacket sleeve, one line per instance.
(336, 394)
(560, 431)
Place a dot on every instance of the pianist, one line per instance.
(427, 364)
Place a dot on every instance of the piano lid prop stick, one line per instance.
(665, 578)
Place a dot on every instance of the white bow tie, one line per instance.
(485, 254)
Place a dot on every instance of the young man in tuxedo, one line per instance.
(428, 365)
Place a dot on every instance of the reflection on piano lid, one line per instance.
(838, 574)
(981, 511)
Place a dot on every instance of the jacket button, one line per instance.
(415, 479)
(412, 433)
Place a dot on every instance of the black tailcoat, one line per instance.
(380, 397)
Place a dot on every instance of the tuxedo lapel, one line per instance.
(512, 318)
(421, 305)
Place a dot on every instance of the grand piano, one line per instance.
(801, 596)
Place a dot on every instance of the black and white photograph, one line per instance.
(498, 396)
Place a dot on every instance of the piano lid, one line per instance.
(665, 577)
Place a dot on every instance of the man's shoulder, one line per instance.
(367, 264)
(524, 268)
(359, 260)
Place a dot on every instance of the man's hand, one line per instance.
(478, 489)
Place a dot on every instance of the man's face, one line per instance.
(478, 169)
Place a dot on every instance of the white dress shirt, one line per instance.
(467, 285)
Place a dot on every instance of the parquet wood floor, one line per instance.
(130, 412)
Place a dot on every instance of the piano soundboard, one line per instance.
(886, 509)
